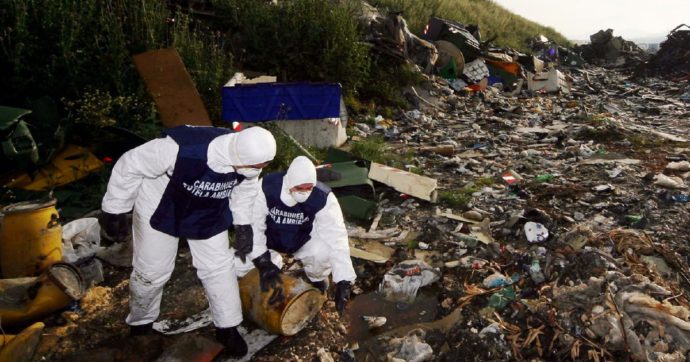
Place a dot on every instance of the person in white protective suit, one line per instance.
(195, 183)
(295, 214)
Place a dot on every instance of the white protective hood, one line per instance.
(301, 171)
(251, 146)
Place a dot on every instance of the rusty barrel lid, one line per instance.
(68, 278)
(28, 206)
(300, 311)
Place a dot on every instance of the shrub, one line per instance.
(298, 40)
(62, 47)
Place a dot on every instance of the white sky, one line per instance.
(577, 19)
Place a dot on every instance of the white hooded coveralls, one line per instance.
(327, 250)
(138, 182)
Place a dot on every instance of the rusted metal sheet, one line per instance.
(171, 87)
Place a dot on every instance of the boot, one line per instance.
(234, 344)
(141, 330)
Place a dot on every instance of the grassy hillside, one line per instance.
(512, 30)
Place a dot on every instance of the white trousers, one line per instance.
(154, 261)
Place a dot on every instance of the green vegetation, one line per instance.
(74, 50)
(604, 134)
(484, 181)
(299, 40)
(375, 149)
(511, 30)
(386, 82)
(645, 141)
(288, 150)
(458, 198)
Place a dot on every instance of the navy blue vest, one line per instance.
(288, 228)
(195, 204)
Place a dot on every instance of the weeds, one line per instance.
(375, 149)
(299, 40)
(371, 148)
(645, 142)
(457, 198)
(484, 181)
(67, 49)
(287, 150)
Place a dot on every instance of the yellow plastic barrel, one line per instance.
(25, 300)
(30, 238)
(300, 304)
(21, 347)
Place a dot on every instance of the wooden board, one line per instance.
(171, 88)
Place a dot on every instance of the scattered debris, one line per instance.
(401, 283)
(374, 322)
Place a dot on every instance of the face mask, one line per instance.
(248, 172)
(300, 196)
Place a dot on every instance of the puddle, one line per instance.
(423, 309)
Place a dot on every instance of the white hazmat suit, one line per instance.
(139, 180)
(327, 249)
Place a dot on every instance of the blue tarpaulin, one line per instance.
(281, 101)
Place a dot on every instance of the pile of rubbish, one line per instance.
(673, 57)
(560, 226)
(612, 51)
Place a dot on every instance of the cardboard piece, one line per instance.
(421, 187)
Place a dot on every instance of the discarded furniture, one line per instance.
(550, 81)
(455, 33)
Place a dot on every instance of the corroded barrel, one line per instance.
(288, 316)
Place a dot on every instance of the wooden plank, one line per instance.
(172, 89)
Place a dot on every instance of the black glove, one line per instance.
(244, 241)
(269, 277)
(114, 227)
(342, 294)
